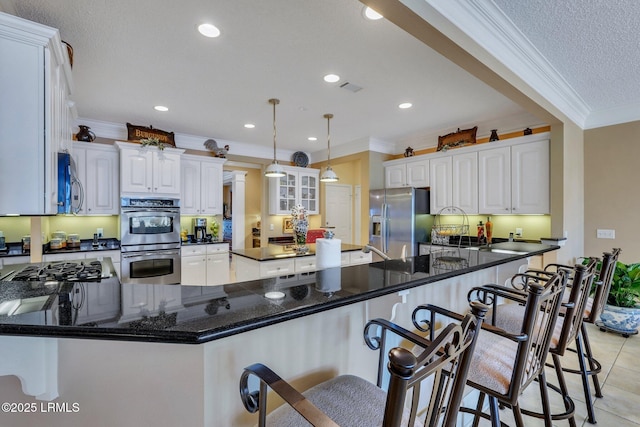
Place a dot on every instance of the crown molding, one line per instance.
(491, 30)
(613, 116)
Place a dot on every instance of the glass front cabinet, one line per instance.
(298, 186)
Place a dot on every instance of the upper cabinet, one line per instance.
(514, 179)
(98, 172)
(407, 174)
(298, 187)
(201, 183)
(35, 86)
(149, 170)
(454, 182)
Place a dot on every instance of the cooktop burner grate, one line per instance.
(67, 271)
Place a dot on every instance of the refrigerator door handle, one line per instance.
(385, 228)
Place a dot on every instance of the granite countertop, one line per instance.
(197, 314)
(273, 252)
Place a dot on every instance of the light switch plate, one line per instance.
(518, 232)
(100, 232)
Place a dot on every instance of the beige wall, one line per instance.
(612, 201)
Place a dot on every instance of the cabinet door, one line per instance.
(217, 269)
(193, 270)
(308, 195)
(211, 189)
(166, 173)
(136, 171)
(283, 193)
(530, 178)
(395, 176)
(418, 174)
(494, 181)
(190, 183)
(440, 179)
(465, 182)
(101, 189)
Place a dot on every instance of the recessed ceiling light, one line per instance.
(372, 14)
(331, 78)
(161, 108)
(405, 105)
(312, 138)
(208, 30)
(249, 125)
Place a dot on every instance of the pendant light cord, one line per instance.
(274, 102)
(328, 117)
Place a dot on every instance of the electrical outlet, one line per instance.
(100, 231)
(271, 227)
(518, 232)
(605, 234)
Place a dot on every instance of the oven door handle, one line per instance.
(151, 253)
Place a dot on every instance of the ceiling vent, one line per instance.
(350, 87)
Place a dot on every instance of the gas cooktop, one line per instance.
(69, 271)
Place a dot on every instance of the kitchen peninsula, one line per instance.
(147, 371)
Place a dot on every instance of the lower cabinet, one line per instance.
(205, 265)
(145, 301)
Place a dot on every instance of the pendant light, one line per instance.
(274, 170)
(328, 175)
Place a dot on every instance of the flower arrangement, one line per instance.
(152, 142)
(300, 221)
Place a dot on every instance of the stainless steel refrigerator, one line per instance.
(398, 220)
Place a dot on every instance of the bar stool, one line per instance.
(505, 363)
(592, 311)
(348, 400)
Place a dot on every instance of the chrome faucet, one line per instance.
(368, 248)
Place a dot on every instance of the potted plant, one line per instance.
(622, 310)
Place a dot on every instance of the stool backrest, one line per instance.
(607, 267)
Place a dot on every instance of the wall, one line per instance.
(16, 227)
(252, 200)
(611, 180)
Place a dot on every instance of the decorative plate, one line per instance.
(300, 159)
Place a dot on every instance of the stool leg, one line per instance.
(476, 415)
(589, 354)
(585, 380)
(564, 391)
(544, 395)
(495, 412)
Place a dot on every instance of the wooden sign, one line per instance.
(136, 133)
(457, 139)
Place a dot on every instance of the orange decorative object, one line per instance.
(488, 230)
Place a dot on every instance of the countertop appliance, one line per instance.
(150, 241)
(200, 229)
(70, 190)
(398, 220)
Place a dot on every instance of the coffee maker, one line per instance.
(200, 229)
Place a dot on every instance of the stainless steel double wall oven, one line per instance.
(150, 240)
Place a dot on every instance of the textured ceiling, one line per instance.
(593, 44)
(130, 55)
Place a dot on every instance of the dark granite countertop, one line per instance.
(273, 252)
(197, 314)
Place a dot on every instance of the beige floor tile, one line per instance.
(625, 379)
(620, 402)
(628, 357)
(607, 419)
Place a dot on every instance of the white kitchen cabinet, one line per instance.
(515, 179)
(201, 185)
(454, 182)
(300, 186)
(98, 167)
(149, 170)
(305, 264)
(407, 174)
(36, 86)
(205, 265)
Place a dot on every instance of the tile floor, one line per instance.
(620, 380)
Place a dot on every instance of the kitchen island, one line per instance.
(146, 370)
(279, 260)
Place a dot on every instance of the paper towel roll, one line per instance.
(327, 253)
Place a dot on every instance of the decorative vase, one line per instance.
(624, 320)
(301, 240)
(85, 134)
